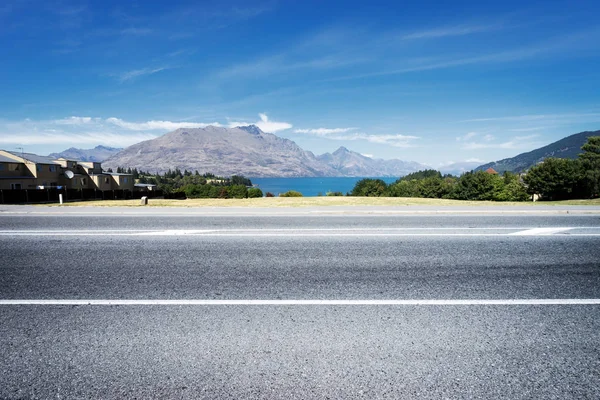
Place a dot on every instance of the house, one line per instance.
(31, 171)
(491, 170)
(44, 170)
(14, 174)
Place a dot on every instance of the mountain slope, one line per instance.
(97, 154)
(223, 151)
(350, 163)
(568, 147)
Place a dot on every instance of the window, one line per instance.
(15, 186)
(1, 167)
(38, 167)
(125, 179)
(13, 167)
(52, 168)
(106, 180)
(83, 182)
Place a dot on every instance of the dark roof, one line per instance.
(9, 160)
(17, 177)
(144, 185)
(118, 174)
(34, 158)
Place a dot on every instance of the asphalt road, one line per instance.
(473, 350)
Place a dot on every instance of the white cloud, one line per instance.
(467, 136)
(157, 125)
(474, 160)
(488, 138)
(136, 73)
(346, 134)
(324, 131)
(79, 138)
(74, 121)
(537, 117)
(265, 124)
(460, 30)
(517, 142)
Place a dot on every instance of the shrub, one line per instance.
(291, 193)
(254, 193)
(369, 187)
(238, 191)
(334, 194)
(269, 194)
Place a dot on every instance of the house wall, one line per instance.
(124, 182)
(6, 184)
(13, 169)
(102, 182)
(48, 175)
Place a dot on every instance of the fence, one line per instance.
(25, 196)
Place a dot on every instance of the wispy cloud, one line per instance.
(324, 131)
(157, 125)
(535, 117)
(517, 142)
(347, 134)
(459, 30)
(136, 31)
(136, 73)
(467, 136)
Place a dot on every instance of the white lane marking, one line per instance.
(541, 231)
(313, 302)
(309, 232)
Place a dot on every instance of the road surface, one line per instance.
(227, 304)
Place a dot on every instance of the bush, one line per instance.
(334, 194)
(269, 194)
(255, 193)
(238, 192)
(291, 193)
(369, 187)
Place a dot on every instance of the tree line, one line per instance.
(552, 179)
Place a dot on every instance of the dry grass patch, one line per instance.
(314, 202)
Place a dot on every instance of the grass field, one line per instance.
(315, 202)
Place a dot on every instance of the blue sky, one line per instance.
(429, 81)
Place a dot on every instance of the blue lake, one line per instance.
(309, 186)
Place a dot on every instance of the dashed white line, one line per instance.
(541, 231)
(291, 302)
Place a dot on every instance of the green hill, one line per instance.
(568, 147)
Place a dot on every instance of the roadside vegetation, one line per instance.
(553, 179)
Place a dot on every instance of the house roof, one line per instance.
(17, 177)
(491, 170)
(34, 158)
(144, 185)
(118, 174)
(9, 160)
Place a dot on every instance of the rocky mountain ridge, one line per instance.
(250, 152)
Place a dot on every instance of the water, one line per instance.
(309, 186)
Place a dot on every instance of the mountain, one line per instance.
(350, 163)
(97, 154)
(243, 150)
(568, 147)
(250, 152)
(459, 168)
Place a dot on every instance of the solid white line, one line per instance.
(313, 302)
(309, 232)
(540, 231)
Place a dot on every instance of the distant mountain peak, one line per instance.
(252, 129)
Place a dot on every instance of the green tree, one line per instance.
(254, 193)
(556, 179)
(590, 159)
(369, 187)
(478, 185)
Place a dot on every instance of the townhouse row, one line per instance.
(31, 171)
